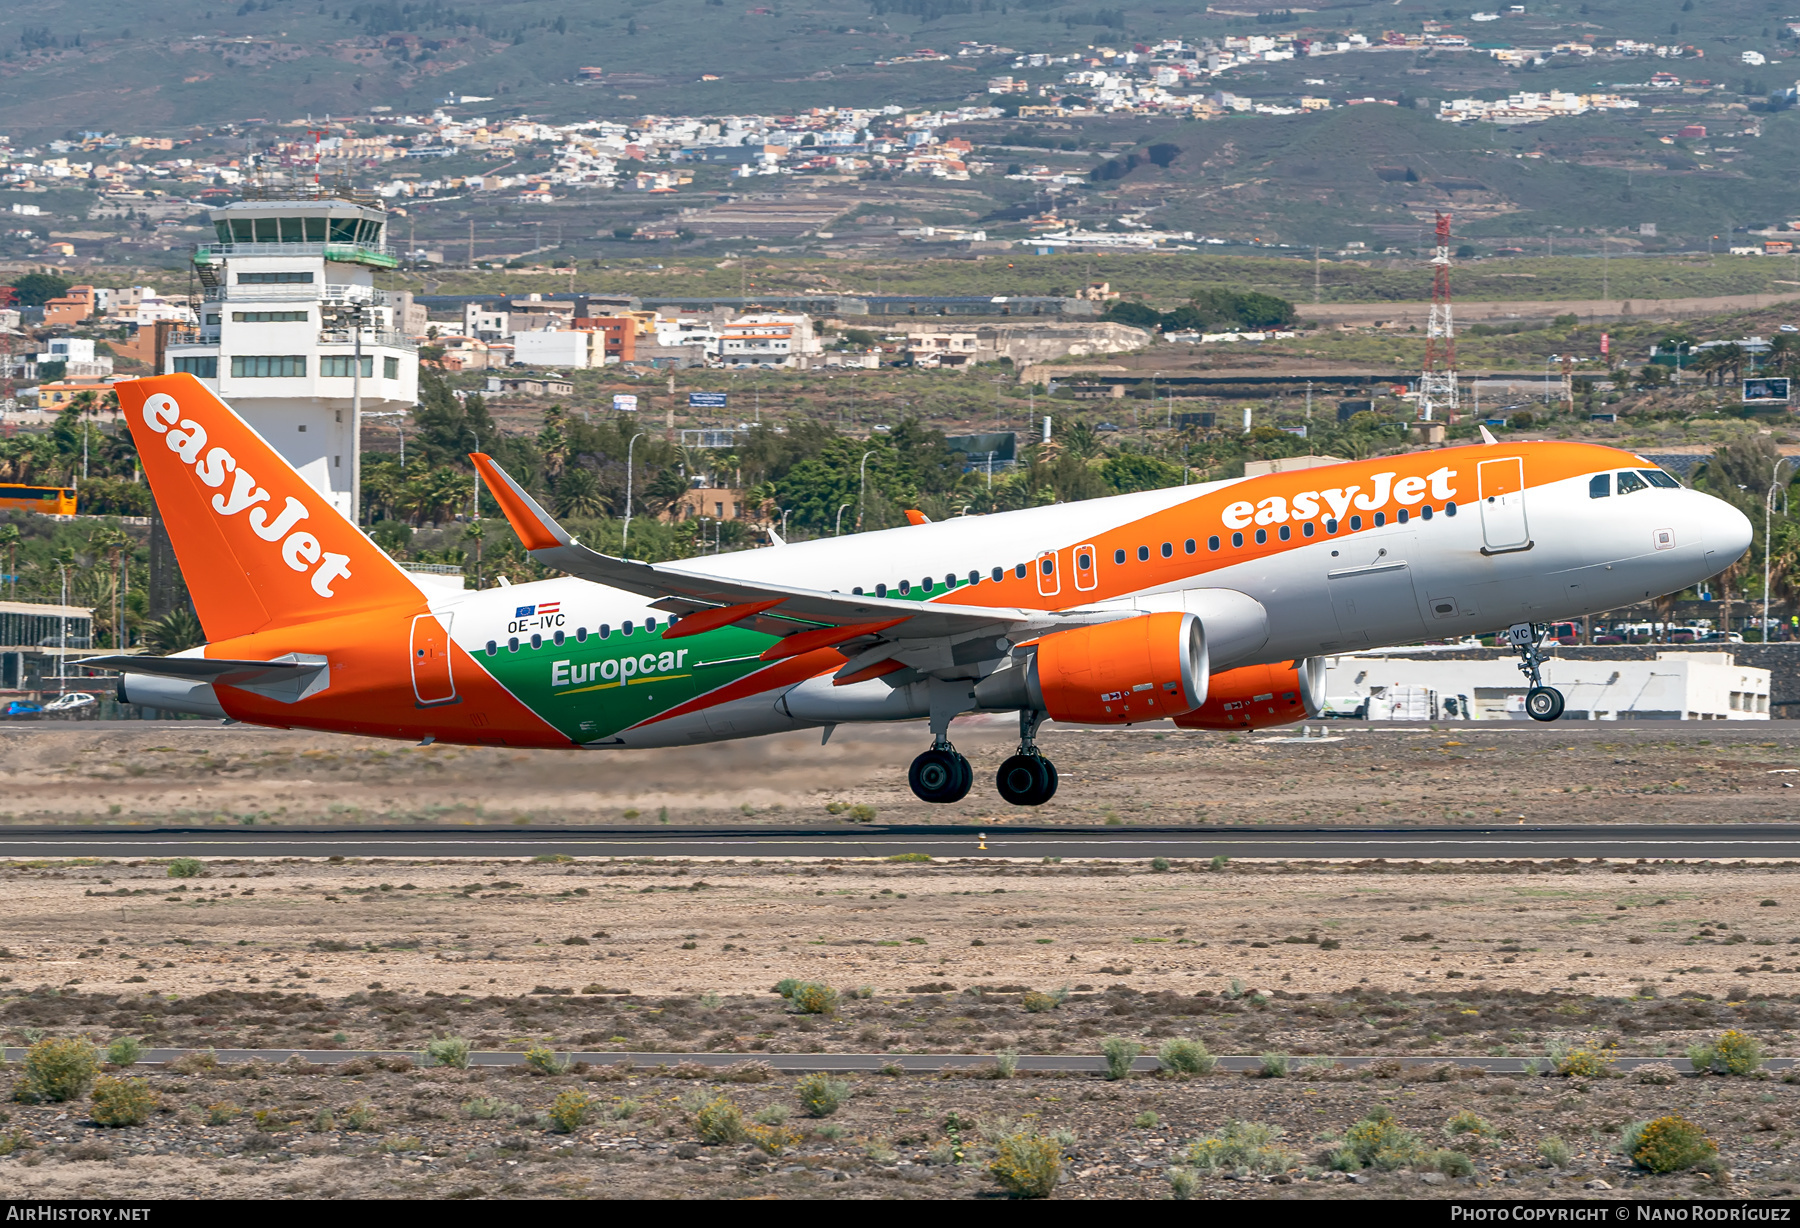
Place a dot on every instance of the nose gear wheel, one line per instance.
(1542, 703)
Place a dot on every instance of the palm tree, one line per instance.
(578, 494)
(9, 537)
(1731, 358)
(474, 532)
(1707, 363)
(1079, 439)
(175, 631)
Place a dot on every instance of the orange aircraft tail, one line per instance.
(258, 546)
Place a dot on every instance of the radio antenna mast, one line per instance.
(1437, 383)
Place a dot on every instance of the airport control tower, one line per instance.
(289, 303)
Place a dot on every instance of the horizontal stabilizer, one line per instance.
(287, 681)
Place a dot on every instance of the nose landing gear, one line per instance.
(1027, 778)
(1542, 703)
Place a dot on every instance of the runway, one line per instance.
(1537, 843)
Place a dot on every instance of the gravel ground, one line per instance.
(193, 772)
(896, 1137)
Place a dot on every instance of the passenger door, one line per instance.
(1502, 486)
(1086, 577)
(431, 675)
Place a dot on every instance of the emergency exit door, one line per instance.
(431, 676)
(1502, 486)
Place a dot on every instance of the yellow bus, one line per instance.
(51, 500)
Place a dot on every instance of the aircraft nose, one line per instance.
(1728, 532)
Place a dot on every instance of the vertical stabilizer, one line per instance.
(258, 546)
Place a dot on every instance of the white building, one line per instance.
(289, 301)
(1694, 686)
(77, 356)
(484, 323)
(768, 338)
(573, 347)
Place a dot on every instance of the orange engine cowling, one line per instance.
(1257, 696)
(1137, 669)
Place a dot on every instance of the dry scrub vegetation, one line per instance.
(573, 964)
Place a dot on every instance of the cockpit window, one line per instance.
(1600, 486)
(1656, 477)
(1629, 481)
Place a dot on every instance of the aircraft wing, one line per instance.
(810, 618)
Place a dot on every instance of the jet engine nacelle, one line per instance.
(1118, 673)
(1257, 696)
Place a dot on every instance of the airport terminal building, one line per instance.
(1675, 686)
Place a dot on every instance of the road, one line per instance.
(1691, 843)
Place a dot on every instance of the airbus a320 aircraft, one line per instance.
(1211, 605)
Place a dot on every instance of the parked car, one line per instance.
(72, 701)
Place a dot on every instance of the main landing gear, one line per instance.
(1027, 778)
(941, 775)
(1542, 703)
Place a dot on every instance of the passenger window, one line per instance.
(1306, 530)
(1188, 545)
(1331, 525)
(650, 624)
(881, 590)
(1262, 536)
(537, 641)
(581, 635)
(905, 587)
(1380, 519)
(999, 574)
(1284, 533)
(625, 626)
(1629, 482)
(1450, 508)
(974, 577)
(1656, 477)
(1237, 540)
(1048, 564)
(1143, 554)
(925, 585)
(1426, 511)
(1355, 523)
(1600, 486)
(492, 648)
(1402, 516)
(1212, 543)
(1019, 570)
(1084, 560)
(857, 591)
(1168, 550)
(605, 631)
(950, 581)
(557, 639)
(512, 645)
(1118, 557)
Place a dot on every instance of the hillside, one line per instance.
(222, 76)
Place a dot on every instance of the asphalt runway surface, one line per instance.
(1538, 843)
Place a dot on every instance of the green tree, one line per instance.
(36, 289)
